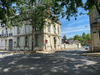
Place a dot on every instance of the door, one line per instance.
(54, 42)
(5, 44)
(10, 44)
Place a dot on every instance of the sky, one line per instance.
(75, 27)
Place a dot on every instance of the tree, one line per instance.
(72, 6)
(71, 39)
(36, 14)
(84, 35)
(83, 39)
(76, 37)
(8, 9)
(90, 4)
(88, 36)
(64, 37)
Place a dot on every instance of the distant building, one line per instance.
(20, 38)
(70, 44)
(64, 41)
(95, 30)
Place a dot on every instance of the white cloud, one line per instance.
(77, 22)
(77, 27)
(74, 31)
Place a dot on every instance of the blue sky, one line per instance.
(76, 27)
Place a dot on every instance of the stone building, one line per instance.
(20, 38)
(95, 30)
(71, 44)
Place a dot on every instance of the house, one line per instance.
(95, 30)
(20, 38)
(70, 44)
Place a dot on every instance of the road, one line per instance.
(59, 63)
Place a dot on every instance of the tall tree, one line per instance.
(83, 39)
(64, 37)
(88, 36)
(36, 13)
(10, 7)
(76, 37)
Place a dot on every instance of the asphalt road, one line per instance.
(59, 63)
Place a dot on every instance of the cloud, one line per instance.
(77, 22)
(75, 29)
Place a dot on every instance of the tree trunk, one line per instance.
(32, 38)
(97, 7)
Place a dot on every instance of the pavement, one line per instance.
(93, 54)
(58, 63)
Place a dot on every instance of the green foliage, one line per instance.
(71, 39)
(72, 7)
(76, 37)
(8, 9)
(83, 39)
(64, 37)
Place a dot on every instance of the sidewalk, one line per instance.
(96, 54)
(26, 52)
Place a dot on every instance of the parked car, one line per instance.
(86, 47)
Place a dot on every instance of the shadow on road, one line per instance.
(59, 63)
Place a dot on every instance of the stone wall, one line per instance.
(71, 46)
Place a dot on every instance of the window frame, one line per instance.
(18, 30)
(36, 40)
(26, 41)
(26, 28)
(18, 41)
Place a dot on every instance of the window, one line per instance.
(99, 34)
(2, 32)
(26, 41)
(10, 30)
(1, 42)
(98, 15)
(18, 42)
(18, 30)
(10, 34)
(6, 32)
(48, 28)
(54, 29)
(58, 30)
(36, 40)
(26, 28)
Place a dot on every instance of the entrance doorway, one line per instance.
(54, 42)
(5, 44)
(10, 45)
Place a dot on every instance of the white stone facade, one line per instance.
(20, 38)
